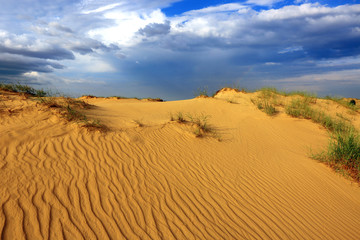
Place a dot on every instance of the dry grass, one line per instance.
(199, 124)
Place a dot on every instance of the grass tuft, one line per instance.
(343, 153)
(300, 108)
(199, 123)
(23, 89)
(266, 101)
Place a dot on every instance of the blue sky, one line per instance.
(169, 48)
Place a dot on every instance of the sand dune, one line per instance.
(150, 178)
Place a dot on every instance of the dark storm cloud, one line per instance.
(17, 65)
(54, 52)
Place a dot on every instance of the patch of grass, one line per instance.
(95, 125)
(23, 89)
(351, 104)
(199, 124)
(341, 116)
(69, 109)
(72, 114)
(78, 103)
(269, 109)
(66, 106)
(266, 101)
(343, 153)
(300, 108)
(179, 117)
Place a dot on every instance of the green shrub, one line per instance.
(23, 89)
(343, 153)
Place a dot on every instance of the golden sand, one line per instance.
(151, 178)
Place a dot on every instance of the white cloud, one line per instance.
(31, 74)
(127, 24)
(291, 49)
(345, 61)
(345, 76)
(102, 9)
(272, 63)
(216, 9)
(88, 64)
(263, 2)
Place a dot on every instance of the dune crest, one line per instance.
(150, 178)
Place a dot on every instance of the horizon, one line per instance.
(169, 48)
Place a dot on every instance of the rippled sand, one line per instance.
(156, 180)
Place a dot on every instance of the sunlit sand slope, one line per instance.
(150, 178)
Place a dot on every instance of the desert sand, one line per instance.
(151, 178)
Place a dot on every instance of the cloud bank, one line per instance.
(134, 45)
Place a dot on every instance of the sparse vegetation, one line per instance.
(201, 92)
(347, 104)
(266, 101)
(199, 123)
(23, 89)
(139, 123)
(267, 107)
(343, 153)
(65, 106)
(301, 108)
(179, 117)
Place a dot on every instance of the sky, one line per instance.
(171, 48)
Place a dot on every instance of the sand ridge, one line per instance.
(158, 181)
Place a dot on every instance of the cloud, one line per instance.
(291, 49)
(225, 42)
(263, 2)
(15, 65)
(229, 7)
(26, 46)
(345, 77)
(154, 29)
(124, 30)
(103, 8)
(89, 64)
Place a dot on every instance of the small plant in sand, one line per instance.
(179, 117)
(139, 123)
(201, 92)
(72, 114)
(343, 153)
(266, 101)
(199, 123)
